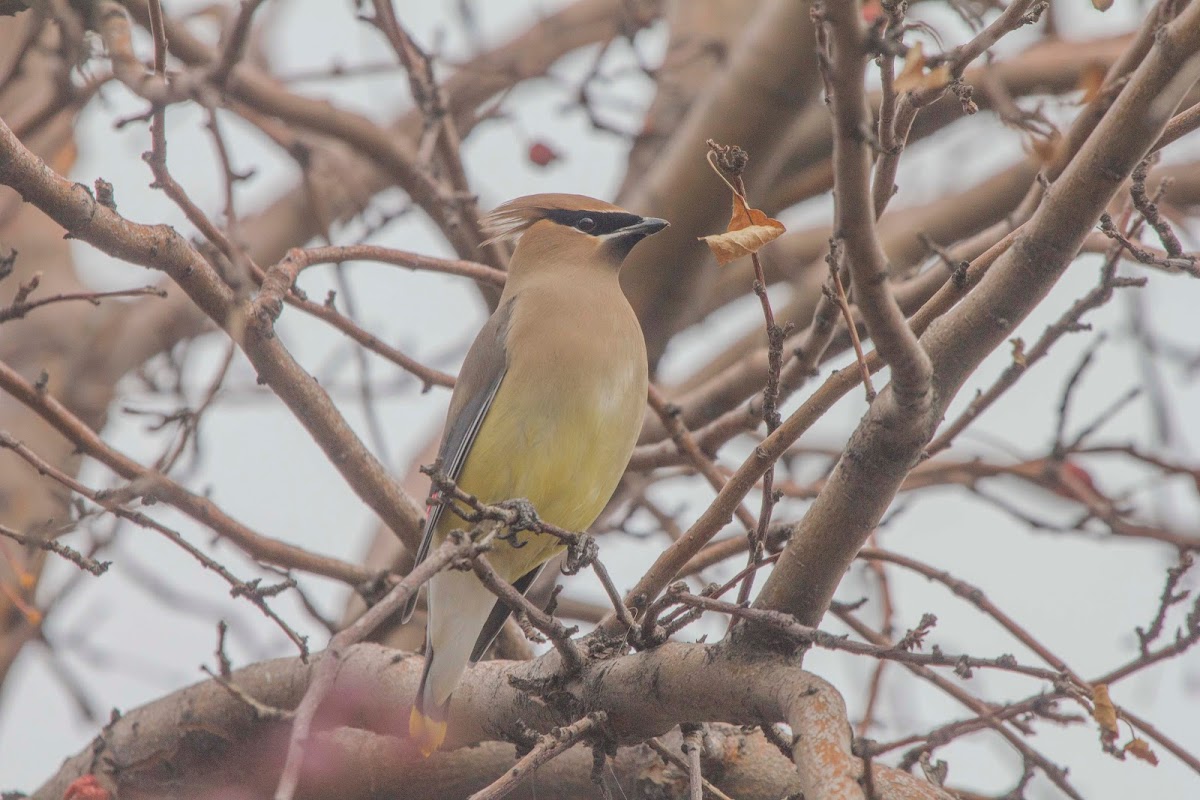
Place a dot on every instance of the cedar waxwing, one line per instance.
(547, 407)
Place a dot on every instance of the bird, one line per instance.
(547, 408)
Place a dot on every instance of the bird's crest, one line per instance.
(509, 220)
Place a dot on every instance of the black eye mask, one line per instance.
(603, 221)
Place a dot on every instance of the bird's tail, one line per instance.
(427, 720)
(459, 606)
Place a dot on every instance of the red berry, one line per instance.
(542, 154)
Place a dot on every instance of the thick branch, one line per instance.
(867, 477)
(854, 215)
(158, 743)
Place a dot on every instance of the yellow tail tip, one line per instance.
(428, 733)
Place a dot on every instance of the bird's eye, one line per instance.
(587, 224)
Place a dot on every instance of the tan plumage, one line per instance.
(547, 407)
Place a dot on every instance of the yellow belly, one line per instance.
(563, 447)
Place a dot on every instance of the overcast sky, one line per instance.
(146, 627)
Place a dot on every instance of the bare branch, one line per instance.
(161, 248)
(550, 745)
(159, 486)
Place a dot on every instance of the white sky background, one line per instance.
(145, 627)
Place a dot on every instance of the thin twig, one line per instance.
(201, 509)
(731, 161)
(988, 717)
(248, 589)
(558, 634)
(852, 328)
(669, 414)
(974, 595)
(77, 558)
(1169, 597)
(670, 755)
(548, 746)
(329, 662)
(18, 310)
(1070, 321)
(806, 635)
(691, 749)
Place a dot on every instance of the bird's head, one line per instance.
(555, 229)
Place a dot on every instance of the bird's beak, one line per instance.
(620, 242)
(647, 227)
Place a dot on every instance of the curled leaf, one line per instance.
(749, 229)
(913, 76)
(1140, 748)
(1104, 712)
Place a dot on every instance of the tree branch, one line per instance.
(841, 518)
(160, 247)
(374, 688)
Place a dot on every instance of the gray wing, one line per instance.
(479, 379)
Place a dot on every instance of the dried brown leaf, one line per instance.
(749, 229)
(1140, 748)
(1104, 712)
(913, 76)
(914, 68)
